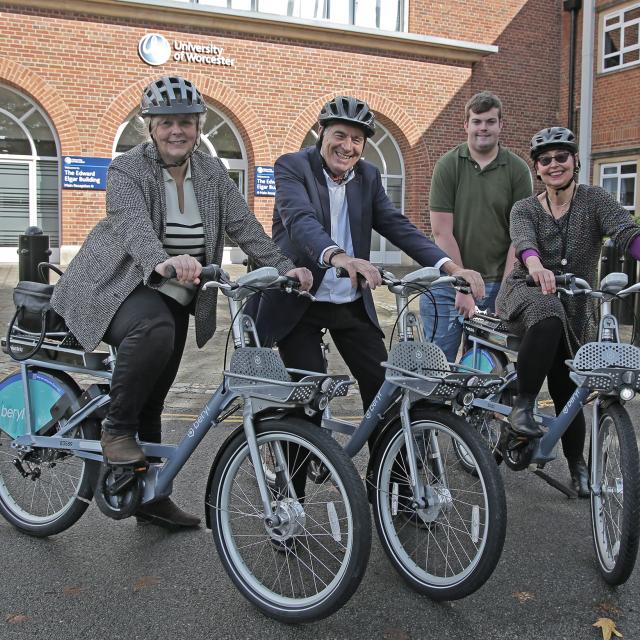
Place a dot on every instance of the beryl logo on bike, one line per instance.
(44, 394)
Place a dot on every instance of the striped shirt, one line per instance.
(184, 232)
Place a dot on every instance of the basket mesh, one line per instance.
(258, 362)
(599, 355)
(424, 358)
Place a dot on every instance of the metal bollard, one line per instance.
(611, 260)
(33, 248)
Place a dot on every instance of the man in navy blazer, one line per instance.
(328, 201)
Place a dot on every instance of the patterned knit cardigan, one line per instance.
(122, 250)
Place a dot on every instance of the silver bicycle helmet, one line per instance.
(553, 137)
(171, 95)
(350, 110)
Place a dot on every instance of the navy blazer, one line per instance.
(302, 229)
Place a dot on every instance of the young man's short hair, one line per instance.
(481, 103)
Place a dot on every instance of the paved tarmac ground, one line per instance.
(108, 579)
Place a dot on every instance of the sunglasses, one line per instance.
(561, 157)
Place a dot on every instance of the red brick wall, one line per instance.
(86, 74)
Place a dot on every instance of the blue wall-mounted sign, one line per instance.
(265, 182)
(84, 173)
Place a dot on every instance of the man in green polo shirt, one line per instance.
(473, 188)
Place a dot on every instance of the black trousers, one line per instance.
(149, 330)
(359, 342)
(542, 353)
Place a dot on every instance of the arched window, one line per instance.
(383, 151)
(29, 173)
(219, 137)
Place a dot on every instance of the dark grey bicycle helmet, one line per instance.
(171, 96)
(348, 109)
(553, 137)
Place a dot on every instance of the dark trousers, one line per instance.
(149, 330)
(359, 342)
(541, 355)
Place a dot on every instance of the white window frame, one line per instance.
(619, 175)
(619, 25)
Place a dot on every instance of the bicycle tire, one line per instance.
(450, 549)
(57, 487)
(615, 502)
(311, 567)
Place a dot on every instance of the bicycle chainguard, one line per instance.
(120, 489)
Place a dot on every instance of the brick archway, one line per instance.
(45, 95)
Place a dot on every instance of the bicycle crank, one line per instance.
(119, 490)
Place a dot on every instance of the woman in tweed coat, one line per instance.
(116, 288)
(557, 231)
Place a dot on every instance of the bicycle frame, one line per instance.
(159, 477)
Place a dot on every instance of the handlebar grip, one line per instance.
(210, 273)
(341, 272)
(171, 272)
(563, 280)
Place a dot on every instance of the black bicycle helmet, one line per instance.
(350, 110)
(171, 96)
(553, 137)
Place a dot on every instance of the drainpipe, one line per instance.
(586, 89)
(573, 6)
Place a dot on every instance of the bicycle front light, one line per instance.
(627, 393)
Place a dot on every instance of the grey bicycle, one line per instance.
(297, 556)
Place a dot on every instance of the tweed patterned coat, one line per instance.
(594, 214)
(123, 249)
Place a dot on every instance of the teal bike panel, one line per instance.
(484, 361)
(44, 393)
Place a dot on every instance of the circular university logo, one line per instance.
(154, 49)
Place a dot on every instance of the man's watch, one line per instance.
(333, 253)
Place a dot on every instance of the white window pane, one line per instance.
(279, 7)
(628, 168)
(389, 15)
(627, 191)
(339, 12)
(611, 185)
(610, 169)
(242, 5)
(311, 9)
(366, 13)
(215, 3)
(612, 20)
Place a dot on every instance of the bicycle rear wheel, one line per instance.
(42, 491)
(450, 548)
(615, 498)
(308, 565)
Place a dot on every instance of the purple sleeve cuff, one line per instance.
(634, 248)
(527, 253)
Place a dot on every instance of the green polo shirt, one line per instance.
(480, 201)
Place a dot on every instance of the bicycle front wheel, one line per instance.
(450, 547)
(308, 562)
(615, 496)
(43, 491)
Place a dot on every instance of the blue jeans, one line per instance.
(449, 330)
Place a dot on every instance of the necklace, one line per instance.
(561, 208)
(563, 229)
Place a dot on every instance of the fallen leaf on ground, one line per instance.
(16, 618)
(72, 591)
(145, 582)
(608, 628)
(523, 596)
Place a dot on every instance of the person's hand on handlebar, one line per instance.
(544, 278)
(355, 266)
(187, 269)
(472, 277)
(303, 275)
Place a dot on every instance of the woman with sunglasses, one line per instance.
(557, 231)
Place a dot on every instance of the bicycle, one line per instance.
(607, 374)
(442, 529)
(296, 558)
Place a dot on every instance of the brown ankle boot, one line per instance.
(165, 513)
(121, 448)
